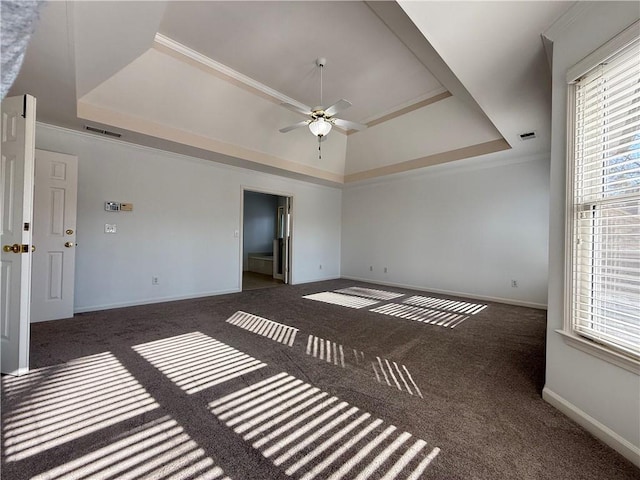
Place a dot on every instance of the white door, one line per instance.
(54, 233)
(16, 172)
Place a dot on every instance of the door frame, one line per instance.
(278, 193)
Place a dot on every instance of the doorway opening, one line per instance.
(266, 240)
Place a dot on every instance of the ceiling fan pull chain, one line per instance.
(319, 148)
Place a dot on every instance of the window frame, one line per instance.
(568, 333)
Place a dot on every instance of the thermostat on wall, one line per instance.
(112, 206)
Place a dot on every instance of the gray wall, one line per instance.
(469, 228)
(183, 225)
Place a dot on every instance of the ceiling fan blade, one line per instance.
(295, 108)
(304, 123)
(337, 107)
(348, 125)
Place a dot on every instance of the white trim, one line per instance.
(409, 103)
(562, 23)
(223, 69)
(503, 158)
(600, 351)
(149, 301)
(508, 301)
(599, 55)
(628, 450)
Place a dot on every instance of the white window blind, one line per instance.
(605, 305)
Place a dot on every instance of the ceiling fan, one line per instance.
(322, 119)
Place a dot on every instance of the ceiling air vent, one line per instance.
(101, 131)
(528, 136)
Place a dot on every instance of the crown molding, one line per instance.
(184, 51)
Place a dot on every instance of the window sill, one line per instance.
(601, 352)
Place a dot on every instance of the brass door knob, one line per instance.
(15, 248)
(68, 244)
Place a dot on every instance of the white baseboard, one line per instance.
(593, 426)
(508, 301)
(313, 280)
(149, 301)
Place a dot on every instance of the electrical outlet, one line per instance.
(155, 281)
(110, 228)
(514, 284)
(371, 268)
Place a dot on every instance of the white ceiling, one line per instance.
(277, 43)
(489, 55)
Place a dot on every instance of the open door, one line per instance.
(287, 241)
(16, 172)
(265, 254)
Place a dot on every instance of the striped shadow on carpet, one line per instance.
(333, 353)
(342, 300)
(278, 332)
(195, 361)
(157, 449)
(424, 315)
(370, 293)
(383, 367)
(65, 402)
(310, 434)
(446, 304)
(317, 347)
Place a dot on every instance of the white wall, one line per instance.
(593, 391)
(469, 227)
(182, 226)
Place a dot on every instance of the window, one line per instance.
(604, 198)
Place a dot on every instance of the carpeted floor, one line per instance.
(267, 384)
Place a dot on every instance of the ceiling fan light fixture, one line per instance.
(320, 127)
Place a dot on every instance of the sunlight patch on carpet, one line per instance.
(370, 293)
(194, 361)
(392, 374)
(445, 304)
(342, 300)
(327, 350)
(278, 332)
(310, 434)
(65, 402)
(424, 315)
(159, 449)
(385, 371)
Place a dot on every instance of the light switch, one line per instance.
(109, 228)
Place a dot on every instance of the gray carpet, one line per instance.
(295, 387)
